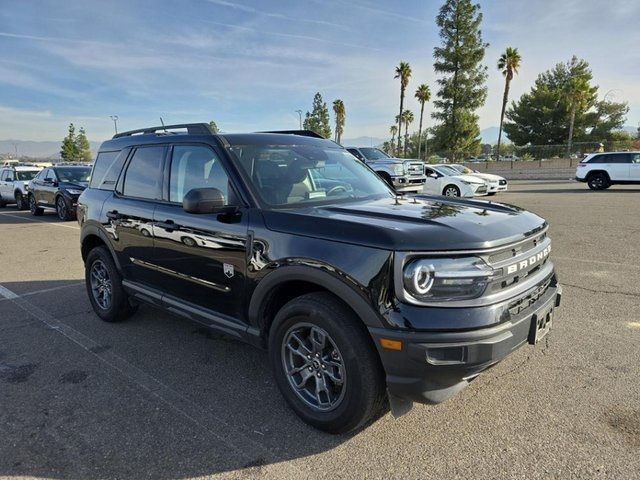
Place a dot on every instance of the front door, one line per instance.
(5, 184)
(202, 256)
(634, 168)
(48, 188)
(128, 214)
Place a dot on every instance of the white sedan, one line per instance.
(444, 180)
(495, 183)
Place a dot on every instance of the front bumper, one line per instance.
(408, 183)
(496, 187)
(433, 366)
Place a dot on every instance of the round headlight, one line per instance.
(418, 278)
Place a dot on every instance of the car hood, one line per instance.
(76, 185)
(488, 176)
(420, 223)
(468, 178)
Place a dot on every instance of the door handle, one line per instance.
(114, 215)
(168, 225)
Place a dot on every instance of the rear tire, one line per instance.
(338, 371)
(451, 191)
(491, 194)
(104, 287)
(598, 181)
(21, 203)
(36, 211)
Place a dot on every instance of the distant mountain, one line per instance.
(48, 150)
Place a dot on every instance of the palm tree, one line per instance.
(407, 118)
(393, 130)
(578, 92)
(423, 94)
(403, 72)
(508, 63)
(341, 114)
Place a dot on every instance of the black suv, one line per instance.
(286, 241)
(58, 187)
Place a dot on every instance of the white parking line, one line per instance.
(6, 293)
(21, 217)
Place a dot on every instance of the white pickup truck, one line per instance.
(601, 170)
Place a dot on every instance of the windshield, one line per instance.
(446, 170)
(26, 175)
(295, 175)
(73, 174)
(373, 153)
(462, 169)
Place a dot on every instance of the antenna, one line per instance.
(162, 123)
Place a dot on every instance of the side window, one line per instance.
(107, 169)
(195, 166)
(143, 178)
(10, 176)
(48, 174)
(635, 157)
(355, 153)
(3, 175)
(620, 158)
(598, 159)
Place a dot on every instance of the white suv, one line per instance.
(601, 170)
(13, 184)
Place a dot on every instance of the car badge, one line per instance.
(228, 270)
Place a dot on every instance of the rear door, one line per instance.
(634, 167)
(618, 166)
(128, 213)
(202, 256)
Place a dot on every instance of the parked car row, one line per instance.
(57, 187)
(413, 176)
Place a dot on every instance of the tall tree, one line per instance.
(394, 129)
(213, 126)
(542, 116)
(83, 147)
(423, 94)
(341, 115)
(407, 118)
(578, 92)
(403, 72)
(462, 85)
(69, 149)
(318, 119)
(508, 64)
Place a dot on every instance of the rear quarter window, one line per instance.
(106, 169)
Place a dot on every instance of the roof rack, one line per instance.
(302, 133)
(192, 129)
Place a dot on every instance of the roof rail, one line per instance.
(192, 129)
(302, 133)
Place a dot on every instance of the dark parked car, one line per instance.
(58, 187)
(286, 241)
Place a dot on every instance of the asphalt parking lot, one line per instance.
(160, 397)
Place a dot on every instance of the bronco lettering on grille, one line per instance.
(529, 262)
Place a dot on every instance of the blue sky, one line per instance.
(250, 64)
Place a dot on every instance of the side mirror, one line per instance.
(433, 175)
(205, 200)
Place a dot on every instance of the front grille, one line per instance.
(415, 169)
(532, 297)
(482, 189)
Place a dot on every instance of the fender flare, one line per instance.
(329, 282)
(88, 230)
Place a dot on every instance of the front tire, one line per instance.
(598, 181)
(36, 211)
(104, 287)
(451, 191)
(65, 213)
(21, 203)
(325, 365)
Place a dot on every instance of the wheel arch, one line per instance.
(593, 172)
(93, 237)
(282, 285)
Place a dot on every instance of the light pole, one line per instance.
(115, 122)
(300, 117)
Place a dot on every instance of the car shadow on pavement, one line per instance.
(156, 396)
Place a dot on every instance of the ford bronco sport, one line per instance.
(363, 299)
